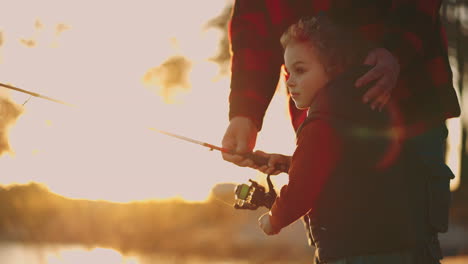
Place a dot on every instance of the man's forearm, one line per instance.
(256, 61)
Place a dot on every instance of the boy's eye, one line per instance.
(299, 70)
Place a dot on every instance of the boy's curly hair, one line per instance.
(338, 48)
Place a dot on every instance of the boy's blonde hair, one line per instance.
(338, 48)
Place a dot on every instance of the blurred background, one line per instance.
(92, 183)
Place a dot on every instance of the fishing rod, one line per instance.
(249, 197)
(34, 94)
(257, 159)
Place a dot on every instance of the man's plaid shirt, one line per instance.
(410, 29)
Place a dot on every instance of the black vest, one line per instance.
(366, 206)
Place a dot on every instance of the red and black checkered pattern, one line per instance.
(410, 29)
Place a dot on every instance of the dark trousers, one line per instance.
(394, 258)
(430, 148)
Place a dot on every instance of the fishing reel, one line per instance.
(253, 196)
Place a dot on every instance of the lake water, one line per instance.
(17, 253)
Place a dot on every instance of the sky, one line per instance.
(110, 59)
(102, 57)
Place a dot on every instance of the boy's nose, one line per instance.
(290, 82)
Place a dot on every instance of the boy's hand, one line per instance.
(275, 161)
(265, 225)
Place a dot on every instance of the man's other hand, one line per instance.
(386, 71)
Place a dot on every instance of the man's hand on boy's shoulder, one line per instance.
(386, 71)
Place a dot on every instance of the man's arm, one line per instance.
(255, 66)
(256, 60)
(312, 163)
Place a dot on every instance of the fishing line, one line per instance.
(27, 100)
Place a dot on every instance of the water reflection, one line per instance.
(18, 253)
(97, 255)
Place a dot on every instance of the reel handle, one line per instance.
(261, 160)
(271, 195)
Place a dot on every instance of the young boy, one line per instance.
(347, 166)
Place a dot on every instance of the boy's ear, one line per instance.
(333, 70)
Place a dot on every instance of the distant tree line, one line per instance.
(213, 229)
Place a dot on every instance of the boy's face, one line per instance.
(306, 75)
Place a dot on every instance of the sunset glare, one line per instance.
(104, 57)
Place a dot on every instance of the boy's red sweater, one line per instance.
(315, 157)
